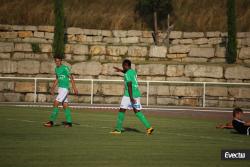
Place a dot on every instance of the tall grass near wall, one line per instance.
(189, 15)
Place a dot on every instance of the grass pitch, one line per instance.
(177, 141)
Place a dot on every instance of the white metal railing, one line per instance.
(204, 84)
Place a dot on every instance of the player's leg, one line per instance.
(67, 113)
(144, 121)
(121, 115)
(137, 110)
(120, 119)
(55, 111)
(53, 115)
(62, 95)
(119, 122)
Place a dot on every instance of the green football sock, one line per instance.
(67, 115)
(143, 119)
(54, 114)
(120, 119)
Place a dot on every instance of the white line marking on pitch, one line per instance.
(23, 120)
(82, 125)
(27, 121)
(146, 108)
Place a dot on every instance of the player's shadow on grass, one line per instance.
(128, 129)
(63, 123)
(236, 133)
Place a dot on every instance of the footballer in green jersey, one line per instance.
(63, 79)
(131, 98)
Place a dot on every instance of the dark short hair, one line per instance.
(57, 58)
(237, 110)
(126, 61)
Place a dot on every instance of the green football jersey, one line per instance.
(131, 76)
(63, 73)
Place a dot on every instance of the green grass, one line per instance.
(176, 141)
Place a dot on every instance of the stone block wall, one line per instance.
(190, 56)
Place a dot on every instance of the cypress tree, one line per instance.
(231, 25)
(58, 42)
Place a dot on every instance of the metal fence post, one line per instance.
(204, 95)
(35, 80)
(147, 92)
(92, 91)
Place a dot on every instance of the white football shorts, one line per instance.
(62, 95)
(126, 103)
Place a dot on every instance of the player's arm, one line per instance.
(247, 123)
(225, 126)
(73, 84)
(130, 92)
(54, 86)
(118, 69)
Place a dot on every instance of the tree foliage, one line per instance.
(59, 40)
(231, 23)
(146, 9)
